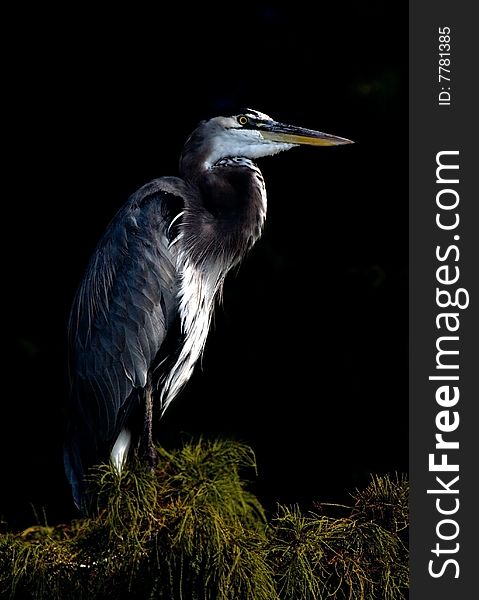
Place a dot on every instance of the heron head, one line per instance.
(251, 134)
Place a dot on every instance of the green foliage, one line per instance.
(191, 530)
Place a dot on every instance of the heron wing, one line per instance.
(123, 308)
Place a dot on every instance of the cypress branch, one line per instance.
(192, 529)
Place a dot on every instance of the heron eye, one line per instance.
(242, 120)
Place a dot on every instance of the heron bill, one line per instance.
(290, 134)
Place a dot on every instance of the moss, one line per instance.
(191, 529)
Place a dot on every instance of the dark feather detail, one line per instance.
(118, 323)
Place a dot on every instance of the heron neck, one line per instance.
(230, 205)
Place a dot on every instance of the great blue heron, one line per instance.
(141, 316)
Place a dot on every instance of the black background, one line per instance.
(307, 360)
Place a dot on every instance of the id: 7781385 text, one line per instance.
(444, 65)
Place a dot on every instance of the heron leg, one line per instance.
(148, 447)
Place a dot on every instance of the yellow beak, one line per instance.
(290, 134)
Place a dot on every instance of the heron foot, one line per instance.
(151, 457)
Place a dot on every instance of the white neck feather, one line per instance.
(198, 289)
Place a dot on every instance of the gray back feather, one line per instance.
(119, 319)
